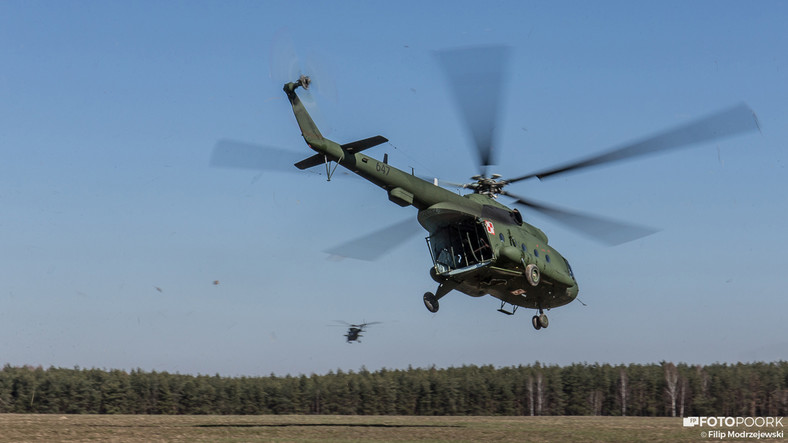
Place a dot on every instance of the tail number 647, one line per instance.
(382, 168)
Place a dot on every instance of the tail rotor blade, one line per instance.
(319, 70)
(283, 61)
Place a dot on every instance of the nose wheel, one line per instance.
(431, 302)
(540, 321)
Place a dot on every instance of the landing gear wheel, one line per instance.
(431, 302)
(532, 274)
(536, 323)
(543, 322)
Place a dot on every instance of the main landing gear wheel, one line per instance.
(540, 321)
(431, 302)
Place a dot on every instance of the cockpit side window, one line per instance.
(569, 268)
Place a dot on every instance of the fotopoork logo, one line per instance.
(734, 422)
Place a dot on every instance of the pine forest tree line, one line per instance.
(665, 389)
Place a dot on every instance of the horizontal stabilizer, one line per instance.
(350, 148)
(314, 160)
(367, 143)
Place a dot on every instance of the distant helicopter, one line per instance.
(479, 246)
(354, 331)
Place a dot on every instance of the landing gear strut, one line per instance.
(540, 321)
(504, 311)
(431, 300)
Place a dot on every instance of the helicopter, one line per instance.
(354, 331)
(479, 246)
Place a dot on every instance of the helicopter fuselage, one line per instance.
(353, 334)
(478, 246)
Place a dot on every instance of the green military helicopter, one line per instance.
(479, 246)
(354, 332)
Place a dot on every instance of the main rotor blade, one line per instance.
(375, 245)
(736, 120)
(476, 78)
(442, 182)
(609, 232)
(371, 323)
(240, 155)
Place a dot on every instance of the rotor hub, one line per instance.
(304, 81)
(491, 186)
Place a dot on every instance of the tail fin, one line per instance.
(308, 128)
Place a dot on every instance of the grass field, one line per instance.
(213, 428)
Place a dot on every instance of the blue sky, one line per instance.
(114, 227)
